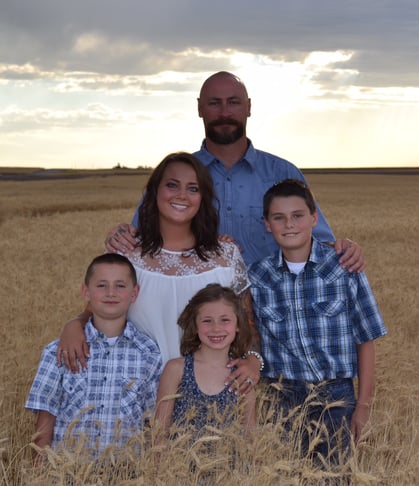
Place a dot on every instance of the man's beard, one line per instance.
(224, 137)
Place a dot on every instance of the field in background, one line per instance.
(51, 229)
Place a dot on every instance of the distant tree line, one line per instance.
(139, 167)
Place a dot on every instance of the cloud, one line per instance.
(98, 77)
(133, 37)
(97, 116)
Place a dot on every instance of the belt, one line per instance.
(291, 382)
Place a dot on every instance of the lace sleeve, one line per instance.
(240, 279)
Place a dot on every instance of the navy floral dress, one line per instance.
(196, 409)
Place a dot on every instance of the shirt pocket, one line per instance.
(254, 223)
(74, 395)
(132, 402)
(328, 308)
(274, 318)
(329, 318)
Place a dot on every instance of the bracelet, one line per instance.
(364, 404)
(257, 356)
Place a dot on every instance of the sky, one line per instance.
(97, 83)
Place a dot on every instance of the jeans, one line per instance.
(316, 416)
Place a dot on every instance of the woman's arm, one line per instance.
(366, 373)
(73, 348)
(247, 374)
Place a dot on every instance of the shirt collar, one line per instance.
(207, 158)
(92, 334)
(316, 255)
(322, 259)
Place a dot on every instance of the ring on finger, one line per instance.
(249, 380)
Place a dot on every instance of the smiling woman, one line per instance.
(178, 253)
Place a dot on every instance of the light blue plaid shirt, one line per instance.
(108, 400)
(310, 323)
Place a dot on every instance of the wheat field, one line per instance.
(50, 230)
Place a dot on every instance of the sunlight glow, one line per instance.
(313, 112)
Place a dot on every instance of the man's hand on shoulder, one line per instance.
(352, 258)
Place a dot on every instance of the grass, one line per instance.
(50, 231)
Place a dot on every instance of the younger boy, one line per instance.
(104, 403)
(317, 323)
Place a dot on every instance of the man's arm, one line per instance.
(353, 258)
(121, 238)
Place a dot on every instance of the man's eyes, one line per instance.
(230, 102)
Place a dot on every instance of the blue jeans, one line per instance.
(319, 412)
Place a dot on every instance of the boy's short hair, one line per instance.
(110, 258)
(287, 188)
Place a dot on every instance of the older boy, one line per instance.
(106, 402)
(317, 322)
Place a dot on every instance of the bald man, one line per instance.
(241, 176)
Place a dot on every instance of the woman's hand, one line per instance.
(121, 238)
(73, 349)
(246, 376)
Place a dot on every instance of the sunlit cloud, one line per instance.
(117, 115)
(14, 119)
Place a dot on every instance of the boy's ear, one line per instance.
(315, 218)
(85, 292)
(135, 293)
(267, 225)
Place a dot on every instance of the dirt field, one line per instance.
(51, 229)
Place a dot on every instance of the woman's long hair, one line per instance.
(204, 225)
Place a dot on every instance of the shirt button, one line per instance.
(228, 208)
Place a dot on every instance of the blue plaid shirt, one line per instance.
(108, 400)
(311, 323)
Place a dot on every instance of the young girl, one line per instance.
(192, 390)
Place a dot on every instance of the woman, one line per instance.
(178, 253)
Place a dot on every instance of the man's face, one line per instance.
(224, 107)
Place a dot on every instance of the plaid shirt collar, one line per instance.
(92, 334)
(322, 258)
